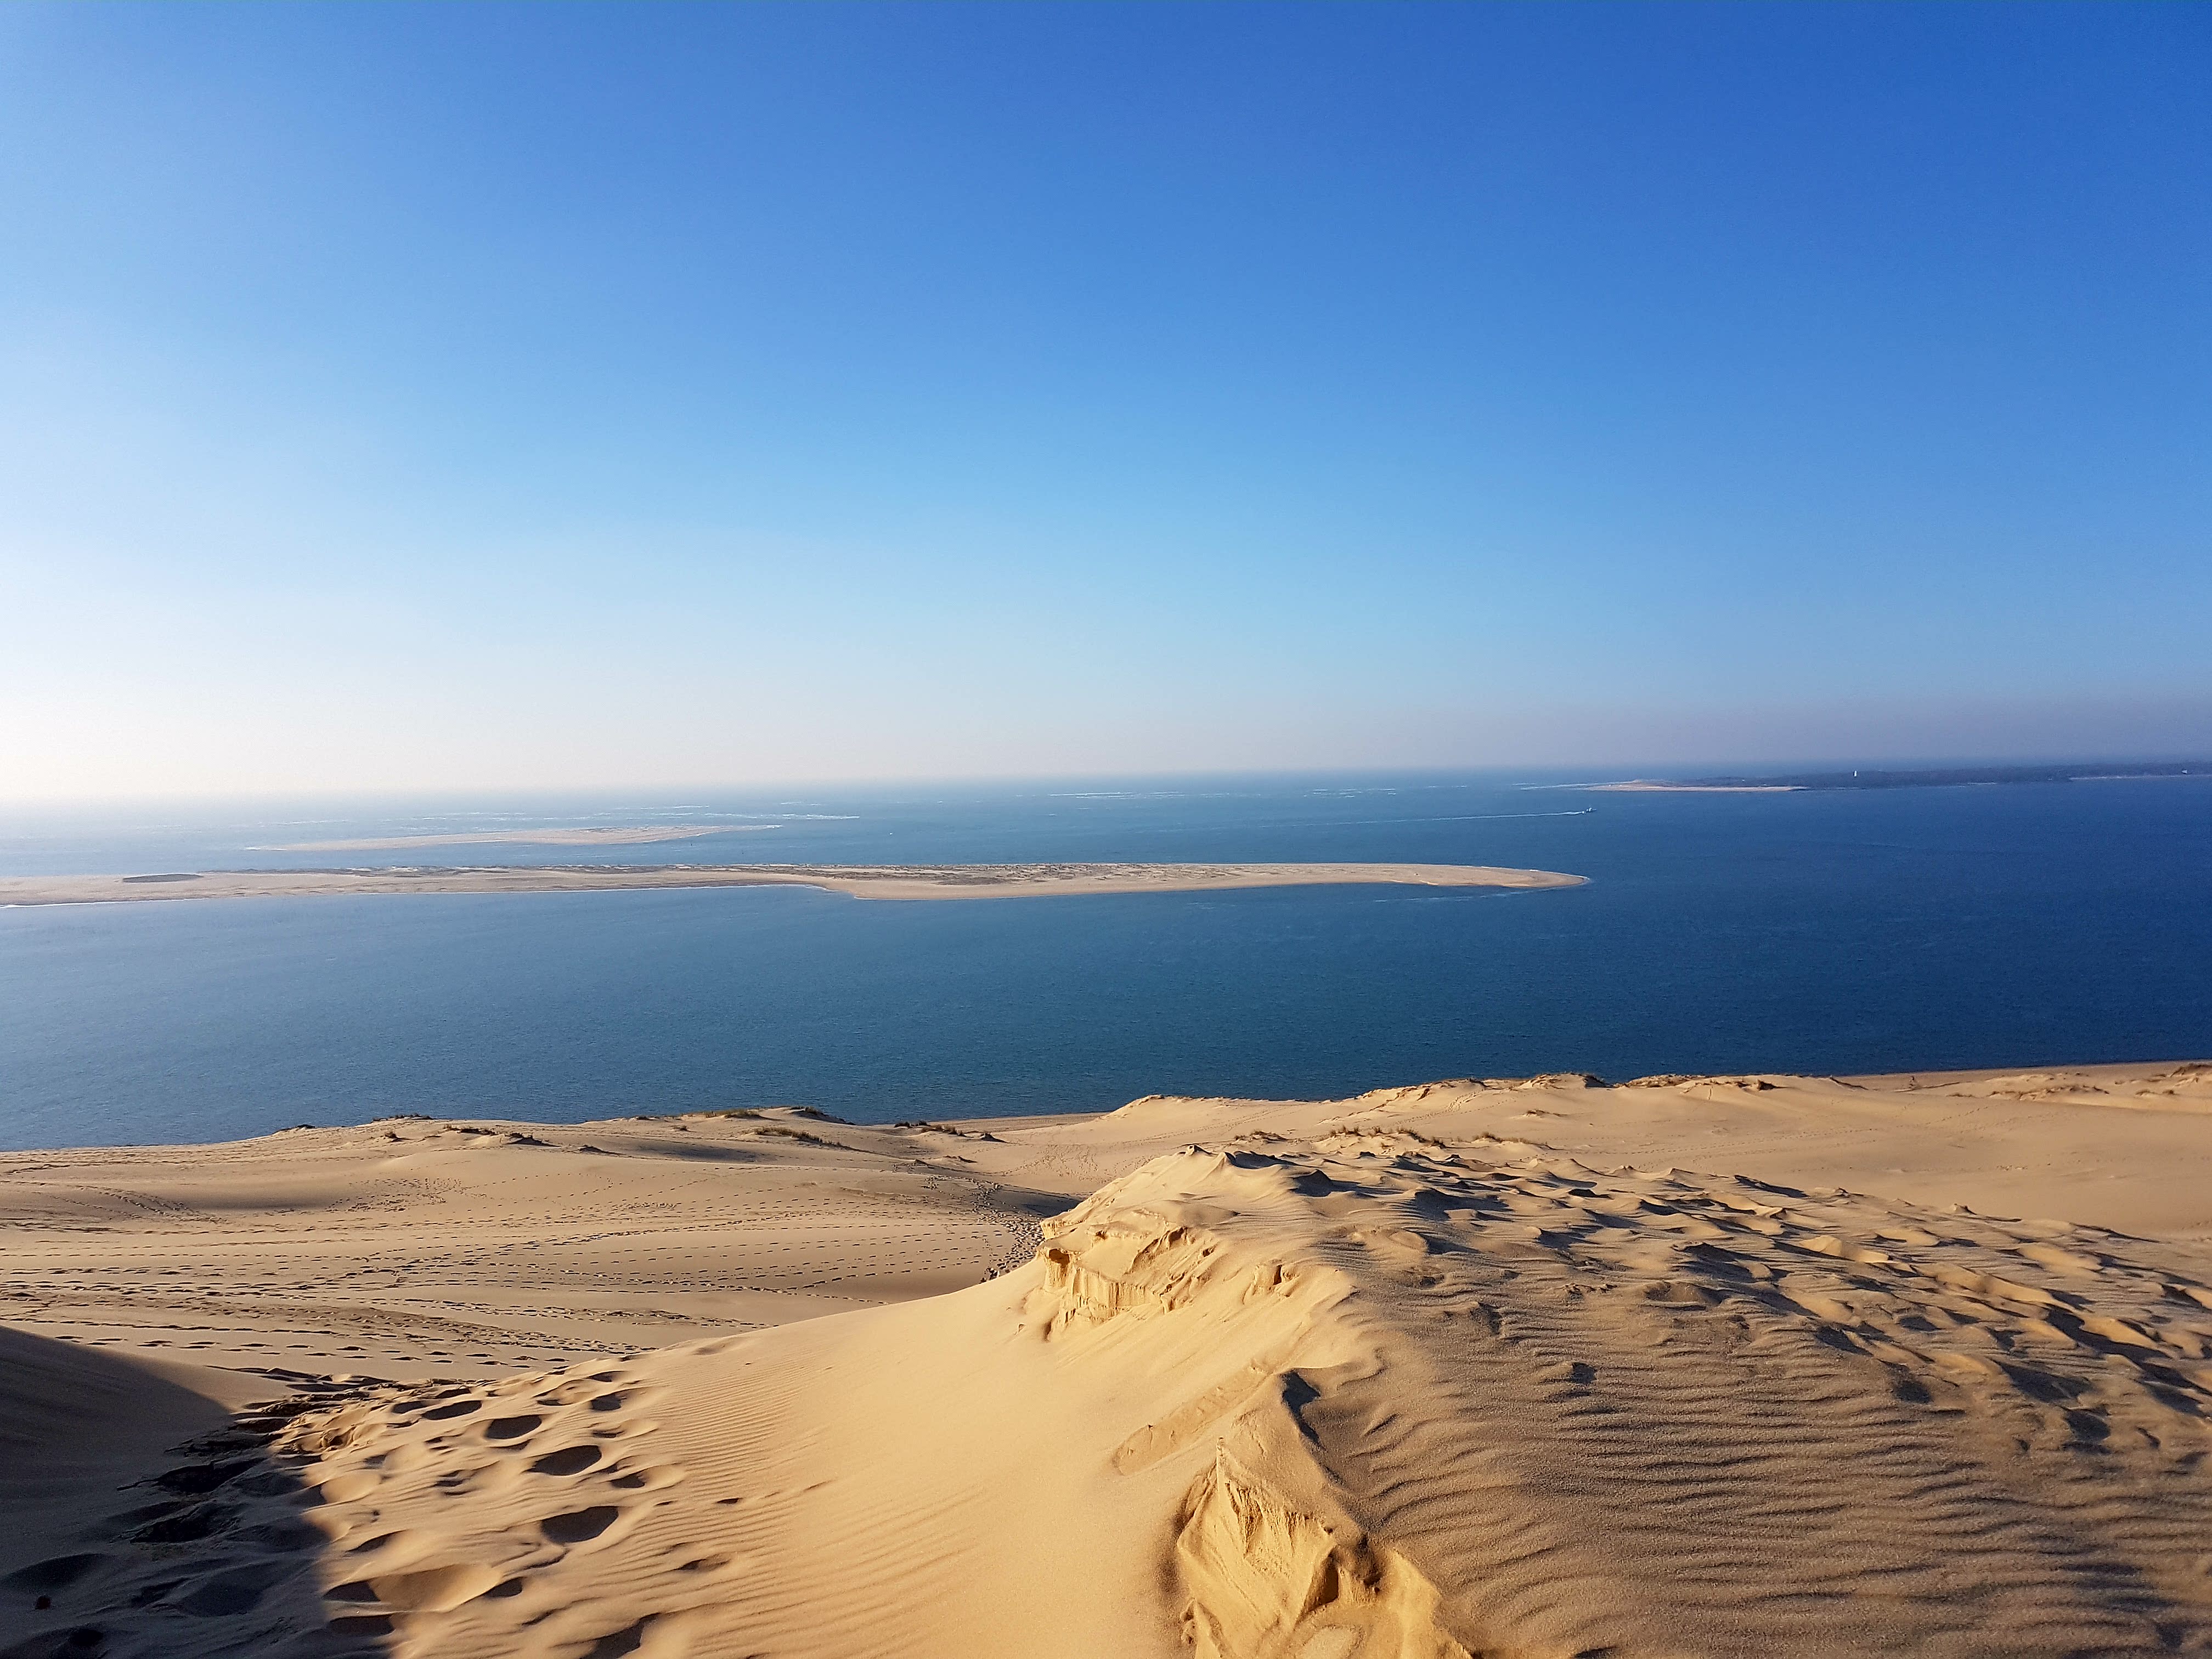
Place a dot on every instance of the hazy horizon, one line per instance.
(586, 798)
(420, 399)
(1601, 765)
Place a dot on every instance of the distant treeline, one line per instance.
(2077, 771)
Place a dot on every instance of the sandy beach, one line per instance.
(1715, 1365)
(890, 881)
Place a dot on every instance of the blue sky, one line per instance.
(425, 397)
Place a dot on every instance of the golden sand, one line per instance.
(1702, 1365)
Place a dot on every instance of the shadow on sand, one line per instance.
(140, 1518)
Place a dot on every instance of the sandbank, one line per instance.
(1920, 777)
(1653, 787)
(894, 881)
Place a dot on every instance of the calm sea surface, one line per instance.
(1828, 933)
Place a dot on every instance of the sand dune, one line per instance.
(416, 1246)
(1693, 1366)
(887, 881)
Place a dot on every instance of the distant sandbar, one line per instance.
(1927, 777)
(886, 881)
(1654, 786)
(596, 837)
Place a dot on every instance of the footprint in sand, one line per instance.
(652, 1477)
(569, 1459)
(656, 1636)
(180, 1523)
(55, 1572)
(345, 1488)
(422, 1590)
(580, 1526)
(194, 1479)
(238, 1590)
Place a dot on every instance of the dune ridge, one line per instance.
(1394, 1376)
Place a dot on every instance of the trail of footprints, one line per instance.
(2053, 1314)
(166, 1274)
(266, 1538)
(1680, 1365)
(723, 1254)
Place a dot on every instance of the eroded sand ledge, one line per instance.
(887, 881)
(1727, 1365)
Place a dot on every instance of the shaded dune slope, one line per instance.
(1369, 1397)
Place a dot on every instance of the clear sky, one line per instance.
(422, 397)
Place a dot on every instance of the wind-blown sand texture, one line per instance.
(588, 837)
(1715, 1365)
(886, 881)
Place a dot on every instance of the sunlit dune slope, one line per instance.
(1368, 1396)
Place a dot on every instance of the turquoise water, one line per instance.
(1829, 931)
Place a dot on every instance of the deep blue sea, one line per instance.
(1917, 929)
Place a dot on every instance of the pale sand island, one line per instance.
(885, 881)
(616, 836)
(1742, 1367)
(1660, 787)
(1920, 777)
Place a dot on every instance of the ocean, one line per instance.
(1831, 932)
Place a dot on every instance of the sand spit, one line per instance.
(1656, 787)
(1694, 1365)
(636, 837)
(889, 881)
(1923, 777)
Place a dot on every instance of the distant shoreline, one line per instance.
(636, 836)
(958, 881)
(1934, 777)
(1648, 786)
